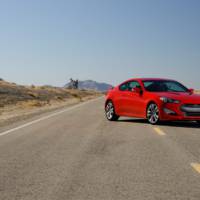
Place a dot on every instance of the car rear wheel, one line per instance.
(153, 113)
(110, 112)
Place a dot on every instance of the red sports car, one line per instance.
(152, 99)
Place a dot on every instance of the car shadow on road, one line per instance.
(181, 124)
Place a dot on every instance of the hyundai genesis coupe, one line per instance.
(153, 99)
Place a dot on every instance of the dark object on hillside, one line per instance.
(73, 84)
(92, 85)
(1, 79)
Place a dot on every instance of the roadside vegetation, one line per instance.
(18, 101)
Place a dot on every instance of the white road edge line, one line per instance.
(48, 116)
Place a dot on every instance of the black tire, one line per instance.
(198, 122)
(153, 114)
(110, 111)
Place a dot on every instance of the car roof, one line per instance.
(149, 79)
(145, 79)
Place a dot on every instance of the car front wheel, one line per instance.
(110, 112)
(153, 113)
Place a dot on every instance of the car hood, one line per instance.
(181, 96)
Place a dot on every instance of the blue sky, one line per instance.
(49, 41)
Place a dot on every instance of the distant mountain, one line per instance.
(92, 85)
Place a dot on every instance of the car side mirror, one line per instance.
(137, 90)
(191, 91)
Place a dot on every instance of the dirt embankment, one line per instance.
(19, 102)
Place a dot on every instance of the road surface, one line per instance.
(77, 154)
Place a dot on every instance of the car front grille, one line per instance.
(187, 114)
(191, 110)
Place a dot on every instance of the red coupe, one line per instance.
(152, 99)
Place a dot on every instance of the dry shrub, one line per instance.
(77, 96)
(59, 98)
(34, 95)
(32, 103)
(1, 105)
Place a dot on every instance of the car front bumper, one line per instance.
(174, 112)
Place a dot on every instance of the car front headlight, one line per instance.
(169, 100)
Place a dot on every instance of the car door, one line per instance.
(126, 99)
(135, 100)
(128, 102)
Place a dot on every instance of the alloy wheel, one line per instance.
(109, 110)
(153, 113)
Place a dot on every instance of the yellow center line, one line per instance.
(159, 131)
(196, 167)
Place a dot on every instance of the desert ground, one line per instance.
(18, 102)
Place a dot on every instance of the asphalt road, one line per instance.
(77, 154)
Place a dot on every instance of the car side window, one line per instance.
(132, 85)
(128, 86)
(123, 87)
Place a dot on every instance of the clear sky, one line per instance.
(49, 41)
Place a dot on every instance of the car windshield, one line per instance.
(164, 86)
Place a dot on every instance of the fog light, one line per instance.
(169, 112)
